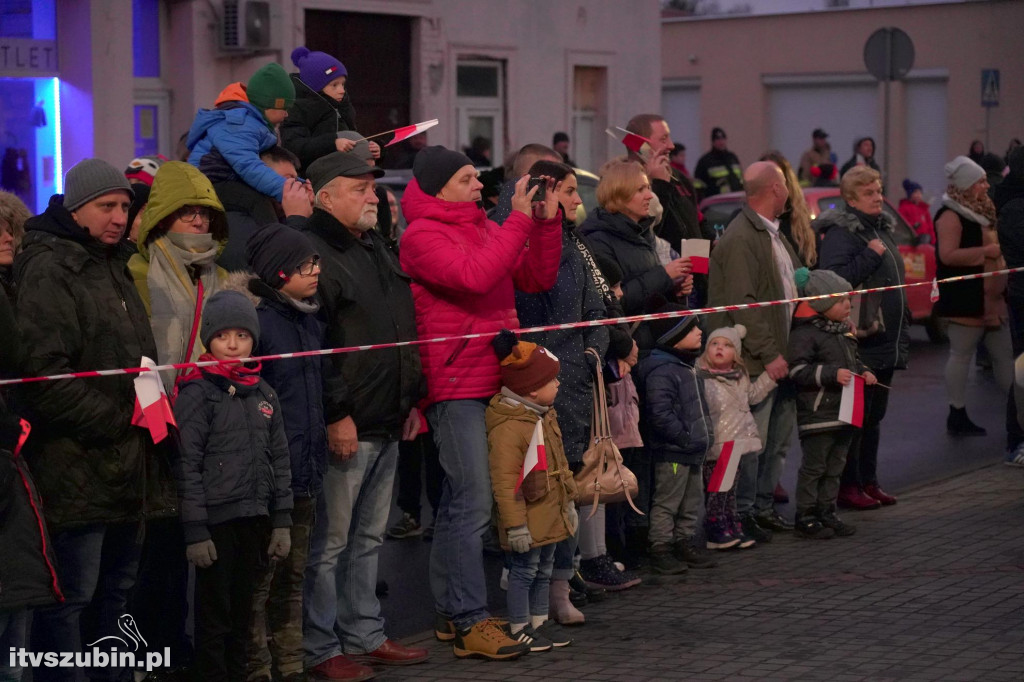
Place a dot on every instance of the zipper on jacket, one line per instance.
(896, 271)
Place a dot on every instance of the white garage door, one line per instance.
(926, 137)
(681, 108)
(846, 111)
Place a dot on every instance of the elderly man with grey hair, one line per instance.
(369, 401)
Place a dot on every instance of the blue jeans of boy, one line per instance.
(457, 577)
(342, 612)
(97, 566)
(529, 582)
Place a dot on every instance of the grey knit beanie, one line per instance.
(821, 282)
(961, 172)
(92, 178)
(229, 310)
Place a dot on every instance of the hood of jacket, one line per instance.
(418, 204)
(231, 111)
(306, 93)
(1009, 189)
(617, 223)
(56, 223)
(180, 184)
(851, 220)
(502, 411)
(235, 92)
(660, 357)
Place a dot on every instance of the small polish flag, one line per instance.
(851, 406)
(409, 131)
(152, 407)
(536, 458)
(935, 292)
(724, 474)
(633, 142)
(699, 253)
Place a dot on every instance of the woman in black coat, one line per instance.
(620, 231)
(858, 244)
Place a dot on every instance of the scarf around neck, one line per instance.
(175, 261)
(830, 326)
(243, 375)
(981, 211)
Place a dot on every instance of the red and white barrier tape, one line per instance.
(526, 330)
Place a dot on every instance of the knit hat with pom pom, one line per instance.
(733, 335)
(525, 367)
(317, 69)
(909, 186)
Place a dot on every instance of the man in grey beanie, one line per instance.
(78, 309)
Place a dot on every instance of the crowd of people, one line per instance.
(274, 485)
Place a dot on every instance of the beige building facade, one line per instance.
(769, 81)
(121, 78)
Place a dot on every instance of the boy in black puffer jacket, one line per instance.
(287, 269)
(822, 360)
(677, 432)
(234, 482)
(322, 109)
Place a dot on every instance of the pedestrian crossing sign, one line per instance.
(990, 87)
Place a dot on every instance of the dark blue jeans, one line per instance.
(457, 577)
(97, 567)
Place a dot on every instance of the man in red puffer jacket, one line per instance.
(465, 270)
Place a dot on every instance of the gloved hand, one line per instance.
(519, 539)
(574, 518)
(280, 543)
(201, 554)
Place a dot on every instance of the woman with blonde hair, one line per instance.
(795, 222)
(619, 230)
(967, 243)
(858, 243)
(13, 214)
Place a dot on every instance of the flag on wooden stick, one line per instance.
(536, 457)
(408, 131)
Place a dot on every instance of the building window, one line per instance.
(480, 109)
(146, 38)
(28, 19)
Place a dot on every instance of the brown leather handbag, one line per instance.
(604, 478)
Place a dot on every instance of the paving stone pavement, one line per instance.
(931, 589)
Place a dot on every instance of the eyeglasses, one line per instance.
(191, 214)
(309, 267)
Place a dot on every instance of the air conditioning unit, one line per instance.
(245, 26)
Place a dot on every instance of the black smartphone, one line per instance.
(542, 187)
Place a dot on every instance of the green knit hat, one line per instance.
(271, 88)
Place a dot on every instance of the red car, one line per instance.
(918, 253)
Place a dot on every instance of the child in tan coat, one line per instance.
(533, 488)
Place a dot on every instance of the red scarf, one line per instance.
(245, 375)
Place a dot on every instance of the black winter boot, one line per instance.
(807, 525)
(663, 561)
(827, 518)
(959, 424)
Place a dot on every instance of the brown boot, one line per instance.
(562, 610)
(488, 639)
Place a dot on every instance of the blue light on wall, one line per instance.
(57, 139)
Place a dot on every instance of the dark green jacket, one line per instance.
(743, 270)
(78, 310)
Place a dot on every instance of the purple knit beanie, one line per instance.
(317, 69)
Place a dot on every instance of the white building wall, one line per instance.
(541, 41)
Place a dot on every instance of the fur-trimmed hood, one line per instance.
(850, 220)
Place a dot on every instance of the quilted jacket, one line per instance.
(465, 270)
